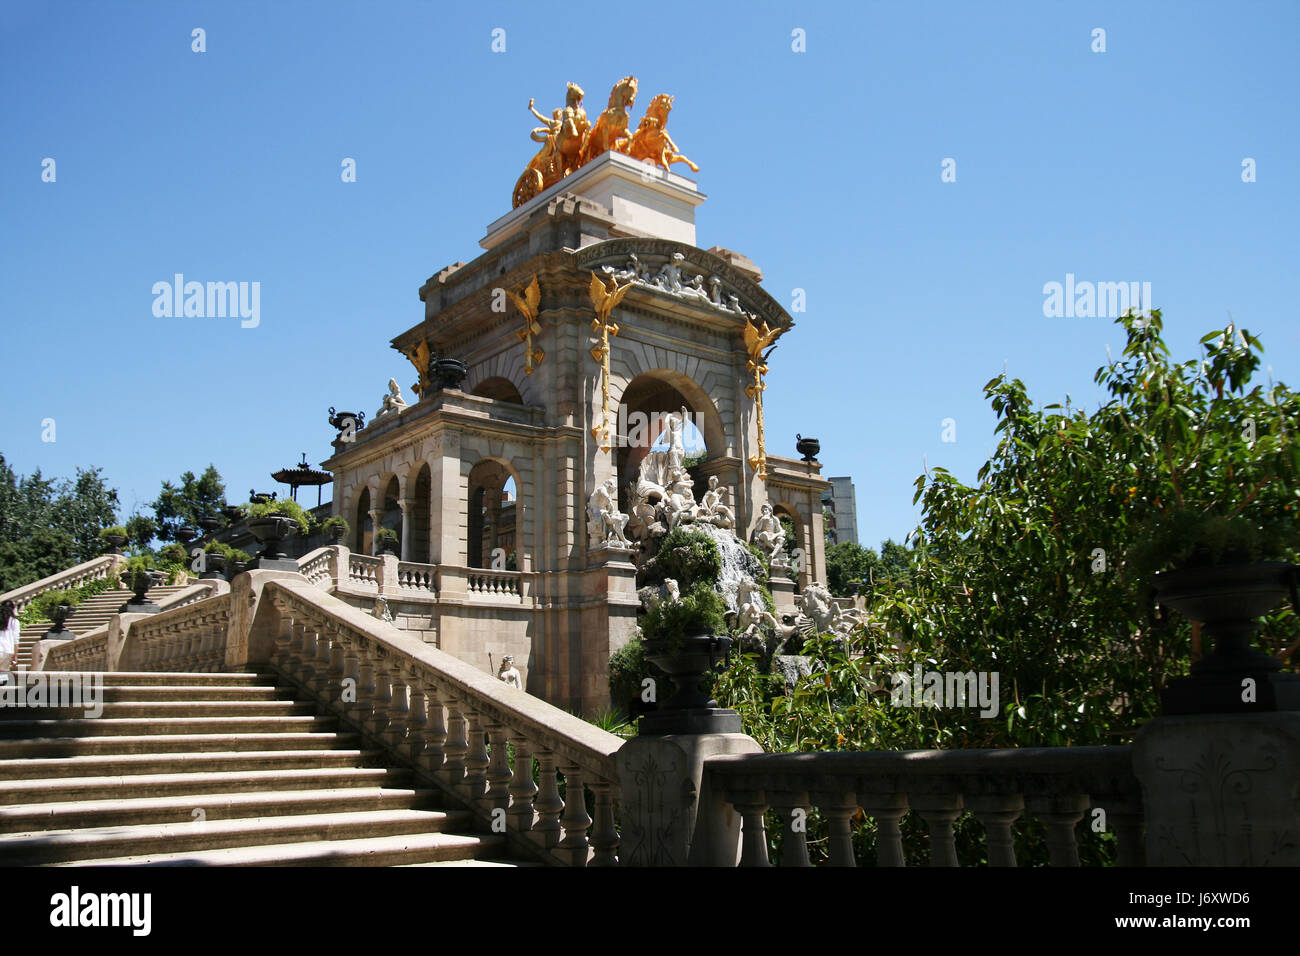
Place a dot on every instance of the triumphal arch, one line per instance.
(590, 307)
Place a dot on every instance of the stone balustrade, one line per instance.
(417, 578)
(92, 570)
(1057, 785)
(468, 732)
(506, 584)
(190, 638)
(365, 572)
(88, 652)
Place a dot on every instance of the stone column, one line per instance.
(376, 517)
(406, 504)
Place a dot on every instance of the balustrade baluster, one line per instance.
(457, 746)
(793, 808)
(476, 761)
(604, 834)
(998, 812)
(435, 735)
(549, 805)
(498, 773)
(417, 718)
(751, 805)
(838, 808)
(1060, 814)
(1127, 824)
(523, 790)
(576, 821)
(887, 810)
(939, 811)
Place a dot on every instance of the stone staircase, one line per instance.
(93, 612)
(216, 770)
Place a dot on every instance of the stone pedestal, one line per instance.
(1220, 789)
(669, 817)
(782, 589)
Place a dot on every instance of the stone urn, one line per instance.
(186, 535)
(341, 420)
(1228, 599)
(214, 566)
(448, 372)
(115, 542)
(57, 631)
(687, 662)
(270, 531)
(140, 603)
(808, 447)
(209, 524)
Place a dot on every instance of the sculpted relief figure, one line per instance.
(713, 506)
(770, 536)
(651, 140)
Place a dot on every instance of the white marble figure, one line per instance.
(825, 615)
(770, 537)
(382, 610)
(751, 612)
(508, 674)
(653, 595)
(394, 404)
(605, 523)
(663, 494)
(713, 506)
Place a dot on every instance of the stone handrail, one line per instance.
(412, 576)
(320, 567)
(1057, 785)
(92, 570)
(467, 731)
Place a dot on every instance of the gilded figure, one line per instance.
(651, 140)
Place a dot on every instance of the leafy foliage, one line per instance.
(181, 506)
(286, 507)
(47, 525)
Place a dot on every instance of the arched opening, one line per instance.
(643, 414)
(362, 530)
(392, 510)
(794, 544)
(419, 516)
(499, 388)
(490, 525)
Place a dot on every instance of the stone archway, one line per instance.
(487, 479)
(499, 388)
(418, 504)
(362, 529)
(643, 407)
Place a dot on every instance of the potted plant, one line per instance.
(386, 541)
(139, 575)
(336, 528)
(56, 607)
(114, 537)
(212, 563)
(684, 634)
(272, 521)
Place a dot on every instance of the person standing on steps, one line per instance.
(8, 638)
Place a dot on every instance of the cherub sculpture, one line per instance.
(651, 140)
(508, 674)
(394, 404)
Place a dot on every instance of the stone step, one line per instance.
(72, 747)
(192, 693)
(374, 851)
(165, 709)
(151, 762)
(171, 839)
(134, 726)
(41, 789)
(75, 815)
(165, 679)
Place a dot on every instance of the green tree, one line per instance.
(181, 506)
(47, 524)
(848, 566)
(140, 531)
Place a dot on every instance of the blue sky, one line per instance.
(823, 166)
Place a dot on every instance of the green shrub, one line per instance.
(337, 525)
(116, 529)
(688, 557)
(700, 611)
(385, 538)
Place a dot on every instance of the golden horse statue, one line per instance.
(610, 131)
(651, 140)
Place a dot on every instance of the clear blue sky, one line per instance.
(822, 166)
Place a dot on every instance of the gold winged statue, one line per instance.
(527, 305)
(604, 299)
(758, 338)
(419, 357)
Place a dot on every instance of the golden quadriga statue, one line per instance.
(569, 141)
